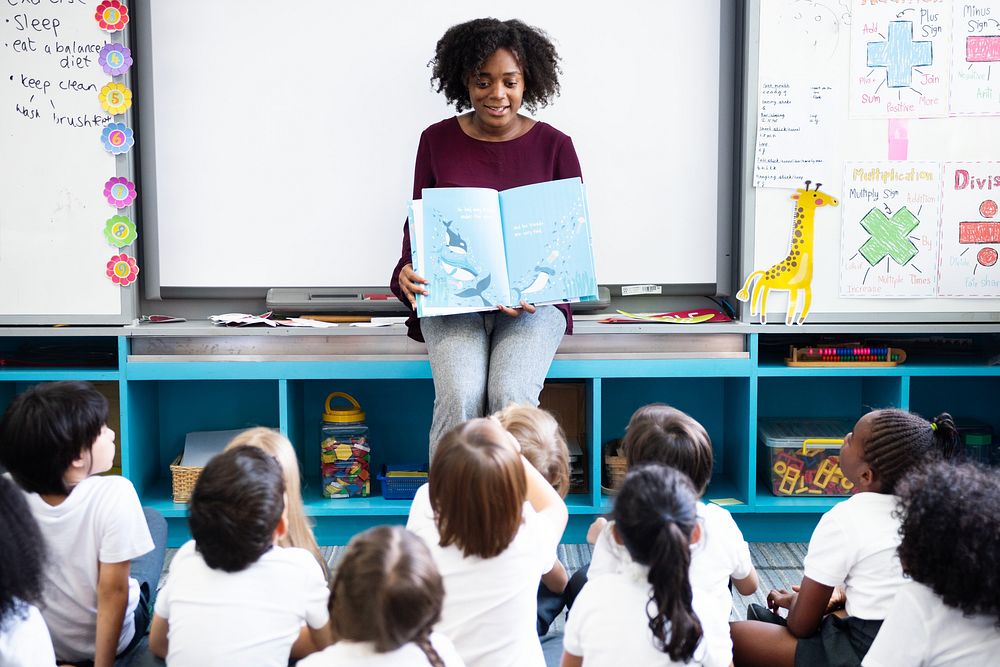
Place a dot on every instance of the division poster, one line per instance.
(970, 230)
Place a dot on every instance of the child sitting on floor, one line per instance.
(233, 596)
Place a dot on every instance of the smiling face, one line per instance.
(852, 455)
(495, 92)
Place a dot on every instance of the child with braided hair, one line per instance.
(851, 562)
(386, 597)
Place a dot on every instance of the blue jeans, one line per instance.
(482, 362)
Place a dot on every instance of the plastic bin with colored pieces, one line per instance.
(802, 456)
(401, 481)
(345, 453)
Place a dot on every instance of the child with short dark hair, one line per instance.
(658, 433)
(852, 552)
(387, 595)
(949, 613)
(543, 443)
(24, 637)
(105, 550)
(643, 614)
(233, 596)
(492, 524)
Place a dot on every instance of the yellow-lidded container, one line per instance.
(345, 454)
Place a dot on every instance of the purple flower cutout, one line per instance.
(115, 58)
(119, 191)
(117, 138)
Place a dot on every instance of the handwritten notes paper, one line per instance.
(975, 54)
(796, 132)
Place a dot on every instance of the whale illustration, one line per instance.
(455, 242)
(478, 290)
(458, 268)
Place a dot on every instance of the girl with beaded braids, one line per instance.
(482, 362)
(851, 562)
(642, 615)
(386, 597)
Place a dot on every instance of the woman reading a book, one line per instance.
(481, 362)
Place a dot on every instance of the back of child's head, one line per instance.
(22, 555)
(478, 488)
(277, 445)
(900, 440)
(542, 441)
(235, 508)
(47, 428)
(656, 515)
(658, 433)
(387, 591)
(951, 534)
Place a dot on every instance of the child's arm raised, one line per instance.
(542, 496)
(112, 600)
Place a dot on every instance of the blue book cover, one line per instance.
(479, 248)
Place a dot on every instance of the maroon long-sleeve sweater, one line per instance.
(447, 158)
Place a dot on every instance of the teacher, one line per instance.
(484, 361)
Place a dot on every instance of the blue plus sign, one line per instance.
(900, 53)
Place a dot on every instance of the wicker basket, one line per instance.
(183, 479)
(614, 472)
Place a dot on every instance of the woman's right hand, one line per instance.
(411, 284)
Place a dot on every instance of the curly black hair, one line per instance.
(22, 554)
(951, 534)
(465, 47)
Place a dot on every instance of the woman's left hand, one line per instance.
(516, 312)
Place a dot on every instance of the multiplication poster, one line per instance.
(975, 54)
(889, 241)
(970, 230)
(900, 55)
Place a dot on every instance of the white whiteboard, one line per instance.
(810, 39)
(53, 253)
(280, 139)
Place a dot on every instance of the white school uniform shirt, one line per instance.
(922, 631)
(721, 553)
(490, 605)
(24, 640)
(362, 654)
(250, 617)
(855, 544)
(101, 520)
(608, 625)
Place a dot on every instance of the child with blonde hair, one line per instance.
(387, 596)
(543, 443)
(273, 442)
(492, 524)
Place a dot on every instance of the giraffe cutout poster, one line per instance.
(794, 273)
(970, 230)
(889, 235)
(900, 55)
(975, 54)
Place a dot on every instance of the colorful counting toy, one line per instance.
(803, 457)
(849, 355)
(345, 455)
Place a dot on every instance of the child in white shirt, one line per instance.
(233, 596)
(947, 616)
(387, 596)
(24, 637)
(852, 551)
(103, 560)
(659, 433)
(492, 524)
(643, 614)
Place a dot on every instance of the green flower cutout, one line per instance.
(119, 231)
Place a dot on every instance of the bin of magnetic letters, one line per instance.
(344, 450)
(802, 456)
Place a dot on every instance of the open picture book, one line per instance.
(479, 248)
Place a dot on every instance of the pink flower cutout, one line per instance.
(119, 191)
(122, 269)
(111, 15)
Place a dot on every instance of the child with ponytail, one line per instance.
(851, 562)
(643, 615)
(386, 597)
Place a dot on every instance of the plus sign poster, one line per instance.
(970, 229)
(975, 54)
(889, 239)
(900, 53)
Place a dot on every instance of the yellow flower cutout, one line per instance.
(116, 98)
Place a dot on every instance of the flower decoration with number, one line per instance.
(117, 138)
(119, 231)
(111, 15)
(119, 191)
(122, 269)
(115, 98)
(115, 59)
